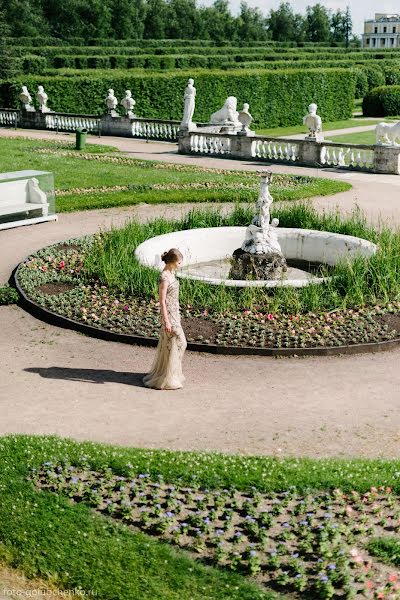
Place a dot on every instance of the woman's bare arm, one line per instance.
(163, 305)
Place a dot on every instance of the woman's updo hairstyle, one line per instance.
(173, 255)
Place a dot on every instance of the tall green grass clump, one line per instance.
(355, 283)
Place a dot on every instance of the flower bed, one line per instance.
(55, 279)
(307, 544)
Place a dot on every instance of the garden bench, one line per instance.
(22, 196)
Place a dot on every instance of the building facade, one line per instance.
(382, 32)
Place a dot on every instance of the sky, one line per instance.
(360, 9)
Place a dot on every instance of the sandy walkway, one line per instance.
(62, 382)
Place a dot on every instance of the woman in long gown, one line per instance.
(166, 372)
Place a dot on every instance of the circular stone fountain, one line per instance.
(210, 254)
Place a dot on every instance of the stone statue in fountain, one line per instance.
(260, 256)
(314, 124)
(189, 99)
(111, 103)
(42, 98)
(26, 99)
(128, 103)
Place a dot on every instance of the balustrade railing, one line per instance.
(348, 156)
(204, 143)
(8, 118)
(71, 122)
(155, 129)
(275, 150)
(377, 159)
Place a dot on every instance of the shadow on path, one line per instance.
(89, 375)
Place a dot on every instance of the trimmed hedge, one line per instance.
(383, 101)
(277, 98)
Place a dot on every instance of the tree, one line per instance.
(251, 24)
(317, 23)
(284, 25)
(127, 19)
(155, 20)
(183, 19)
(348, 25)
(8, 63)
(217, 21)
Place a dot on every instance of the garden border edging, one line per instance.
(59, 321)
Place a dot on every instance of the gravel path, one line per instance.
(62, 382)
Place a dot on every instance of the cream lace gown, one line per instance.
(166, 372)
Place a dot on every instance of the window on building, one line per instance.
(374, 42)
(394, 29)
(392, 41)
(376, 30)
(385, 30)
(383, 40)
(367, 41)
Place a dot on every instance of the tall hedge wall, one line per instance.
(382, 101)
(276, 97)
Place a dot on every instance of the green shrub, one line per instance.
(392, 73)
(361, 82)
(375, 76)
(383, 101)
(33, 64)
(276, 98)
(8, 295)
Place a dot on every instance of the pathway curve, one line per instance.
(62, 382)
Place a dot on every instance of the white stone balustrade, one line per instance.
(8, 118)
(345, 156)
(69, 122)
(276, 150)
(376, 159)
(155, 129)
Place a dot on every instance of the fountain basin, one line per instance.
(207, 252)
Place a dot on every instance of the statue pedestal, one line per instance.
(256, 266)
(315, 138)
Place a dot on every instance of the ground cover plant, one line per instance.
(91, 179)
(97, 281)
(97, 517)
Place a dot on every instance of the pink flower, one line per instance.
(270, 317)
(126, 307)
(44, 268)
(393, 578)
(61, 264)
(205, 312)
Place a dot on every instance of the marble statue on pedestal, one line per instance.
(245, 119)
(388, 134)
(260, 255)
(128, 103)
(314, 123)
(227, 115)
(189, 99)
(26, 99)
(111, 103)
(42, 98)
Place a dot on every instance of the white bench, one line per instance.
(22, 196)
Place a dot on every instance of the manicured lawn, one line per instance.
(44, 534)
(295, 129)
(365, 137)
(89, 180)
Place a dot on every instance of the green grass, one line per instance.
(365, 137)
(76, 174)
(328, 126)
(387, 549)
(45, 535)
(353, 284)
